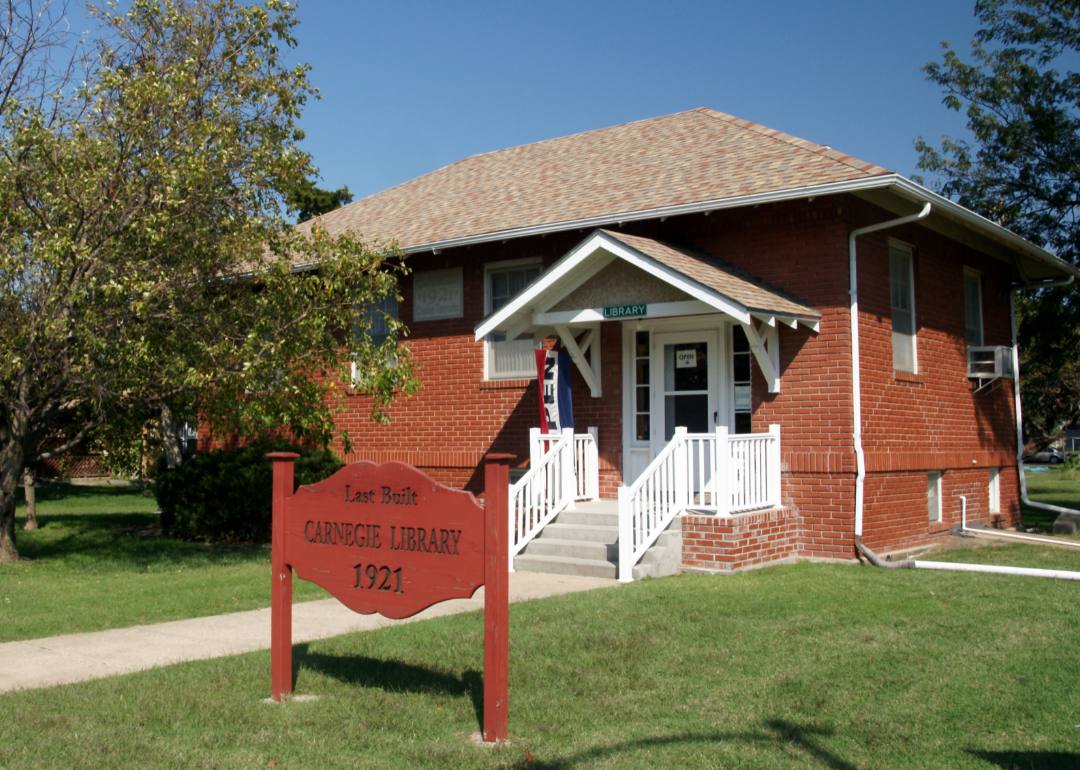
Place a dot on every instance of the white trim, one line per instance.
(768, 358)
(934, 514)
(589, 370)
(655, 310)
(910, 253)
(489, 352)
(558, 273)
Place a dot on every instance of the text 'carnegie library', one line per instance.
(444, 541)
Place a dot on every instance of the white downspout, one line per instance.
(1016, 398)
(856, 389)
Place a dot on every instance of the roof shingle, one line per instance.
(688, 157)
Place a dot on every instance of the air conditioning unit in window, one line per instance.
(988, 362)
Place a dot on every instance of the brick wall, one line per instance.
(741, 541)
(912, 424)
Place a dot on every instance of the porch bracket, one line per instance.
(590, 371)
(766, 347)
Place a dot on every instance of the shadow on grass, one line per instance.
(1030, 760)
(779, 734)
(393, 676)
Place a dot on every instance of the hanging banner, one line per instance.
(553, 379)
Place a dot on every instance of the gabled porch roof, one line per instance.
(647, 279)
(709, 288)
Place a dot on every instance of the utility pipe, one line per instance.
(856, 389)
(995, 533)
(948, 566)
(1016, 397)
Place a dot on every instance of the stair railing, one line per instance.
(711, 472)
(586, 459)
(541, 494)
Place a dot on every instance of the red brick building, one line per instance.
(733, 245)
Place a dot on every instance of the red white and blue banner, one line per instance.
(553, 378)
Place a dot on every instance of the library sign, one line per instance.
(389, 539)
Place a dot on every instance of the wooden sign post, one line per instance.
(389, 539)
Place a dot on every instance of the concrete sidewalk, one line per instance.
(77, 657)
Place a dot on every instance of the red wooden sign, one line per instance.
(390, 539)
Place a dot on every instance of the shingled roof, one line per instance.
(696, 156)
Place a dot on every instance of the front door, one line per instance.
(688, 390)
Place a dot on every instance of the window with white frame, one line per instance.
(933, 495)
(993, 490)
(377, 315)
(515, 358)
(902, 297)
(973, 319)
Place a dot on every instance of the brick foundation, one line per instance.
(744, 540)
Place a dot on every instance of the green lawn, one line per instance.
(803, 666)
(1057, 486)
(96, 563)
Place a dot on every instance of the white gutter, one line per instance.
(1016, 397)
(856, 388)
(893, 182)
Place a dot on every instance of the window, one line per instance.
(514, 359)
(902, 292)
(740, 368)
(973, 307)
(641, 388)
(377, 315)
(993, 490)
(933, 495)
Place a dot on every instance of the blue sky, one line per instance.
(409, 87)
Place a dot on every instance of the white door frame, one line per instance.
(659, 341)
(713, 328)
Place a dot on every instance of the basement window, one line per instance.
(993, 490)
(933, 495)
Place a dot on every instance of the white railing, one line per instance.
(543, 492)
(586, 459)
(711, 472)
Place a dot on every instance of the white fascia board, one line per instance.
(653, 310)
(547, 279)
(915, 192)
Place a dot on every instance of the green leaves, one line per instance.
(144, 254)
(1023, 171)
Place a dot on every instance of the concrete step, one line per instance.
(589, 518)
(587, 532)
(564, 565)
(578, 549)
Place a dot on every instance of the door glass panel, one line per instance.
(688, 411)
(686, 383)
(686, 366)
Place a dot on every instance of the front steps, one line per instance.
(585, 542)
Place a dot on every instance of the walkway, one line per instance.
(78, 657)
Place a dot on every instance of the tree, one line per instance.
(144, 259)
(309, 201)
(1023, 171)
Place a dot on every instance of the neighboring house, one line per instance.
(731, 241)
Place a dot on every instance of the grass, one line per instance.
(803, 666)
(1057, 485)
(98, 562)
